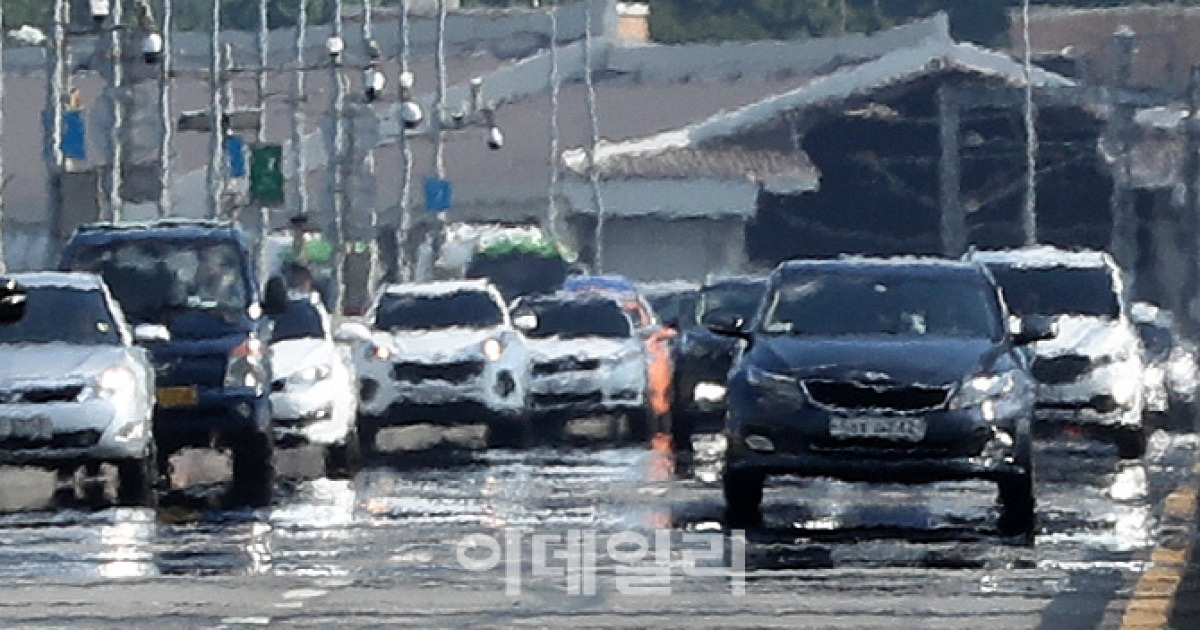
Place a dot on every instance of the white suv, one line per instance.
(1090, 373)
(442, 352)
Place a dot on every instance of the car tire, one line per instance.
(743, 497)
(137, 481)
(253, 482)
(1018, 505)
(509, 431)
(342, 461)
(682, 427)
(1131, 442)
(367, 436)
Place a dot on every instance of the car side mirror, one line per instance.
(12, 301)
(352, 332)
(1033, 328)
(727, 324)
(151, 333)
(275, 296)
(1142, 312)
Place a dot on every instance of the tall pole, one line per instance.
(216, 143)
(1191, 171)
(593, 174)
(1029, 210)
(368, 170)
(403, 258)
(299, 163)
(116, 80)
(56, 64)
(337, 156)
(260, 137)
(164, 104)
(552, 210)
(3, 266)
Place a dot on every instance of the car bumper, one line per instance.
(312, 416)
(918, 470)
(89, 431)
(496, 390)
(216, 412)
(1095, 399)
(589, 392)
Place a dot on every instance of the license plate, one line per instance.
(177, 397)
(908, 429)
(26, 428)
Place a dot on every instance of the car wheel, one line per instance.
(342, 461)
(1131, 442)
(743, 497)
(367, 436)
(137, 481)
(506, 431)
(253, 470)
(682, 427)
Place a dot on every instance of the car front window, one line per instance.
(151, 278)
(301, 320)
(1058, 291)
(63, 315)
(468, 309)
(740, 300)
(852, 305)
(568, 321)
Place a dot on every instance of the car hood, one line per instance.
(934, 360)
(446, 344)
(582, 348)
(1089, 336)
(56, 361)
(294, 355)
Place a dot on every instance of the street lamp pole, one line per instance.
(168, 127)
(56, 64)
(216, 145)
(337, 156)
(299, 163)
(116, 80)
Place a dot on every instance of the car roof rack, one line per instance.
(142, 225)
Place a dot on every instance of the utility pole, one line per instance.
(299, 163)
(367, 174)
(164, 104)
(404, 223)
(216, 148)
(260, 136)
(1029, 210)
(337, 155)
(1191, 173)
(953, 221)
(56, 64)
(1124, 220)
(116, 80)
(593, 175)
(3, 266)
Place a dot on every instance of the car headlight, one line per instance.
(113, 382)
(380, 352)
(310, 375)
(1125, 390)
(246, 366)
(983, 388)
(779, 385)
(493, 349)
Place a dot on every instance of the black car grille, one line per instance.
(41, 395)
(1063, 369)
(457, 372)
(854, 395)
(75, 439)
(565, 364)
(551, 400)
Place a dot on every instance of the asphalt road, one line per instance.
(453, 540)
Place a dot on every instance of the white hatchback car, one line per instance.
(312, 386)
(441, 352)
(1090, 374)
(588, 358)
(75, 392)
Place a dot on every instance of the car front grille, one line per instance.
(1060, 370)
(41, 395)
(74, 439)
(850, 395)
(457, 372)
(565, 364)
(581, 398)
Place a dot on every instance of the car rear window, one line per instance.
(569, 321)
(1058, 290)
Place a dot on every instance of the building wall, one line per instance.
(658, 248)
(1166, 43)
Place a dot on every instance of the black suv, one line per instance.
(703, 358)
(213, 371)
(877, 370)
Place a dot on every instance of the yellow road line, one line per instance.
(1154, 596)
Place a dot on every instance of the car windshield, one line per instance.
(151, 278)
(301, 320)
(737, 299)
(63, 315)
(567, 320)
(1058, 291)
(469, 309)
(679, 308)
(840, 305)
